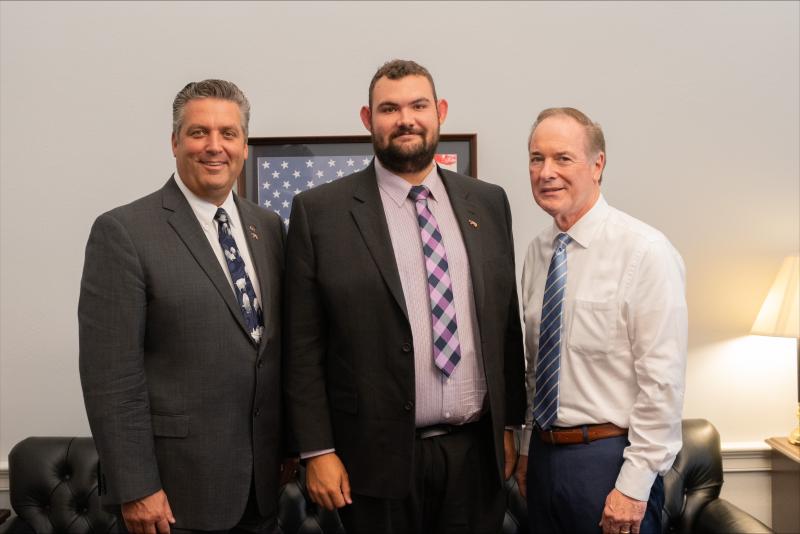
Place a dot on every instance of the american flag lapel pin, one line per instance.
(472, 223)
(253, 233)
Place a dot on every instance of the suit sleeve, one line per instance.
(307, 408)
(111, 318)
(514, 365)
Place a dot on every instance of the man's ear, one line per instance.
(441, 110)
(599, 165)
(174, 144)
(366, 118)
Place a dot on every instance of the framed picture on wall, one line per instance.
(278, 168)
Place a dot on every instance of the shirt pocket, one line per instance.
(593, 328)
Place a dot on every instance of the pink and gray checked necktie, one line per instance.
(243, 287)
(446, 349)
(548, 363)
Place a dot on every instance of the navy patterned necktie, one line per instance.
(243, 287)
(548, 363)
(446, 348)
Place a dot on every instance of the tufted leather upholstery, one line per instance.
(53, 489)
(693, 484)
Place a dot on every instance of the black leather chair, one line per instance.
(53, 489)
(693, 484)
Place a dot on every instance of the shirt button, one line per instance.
(255, 413)
(409, 406)
(447, 414)
(406, 347)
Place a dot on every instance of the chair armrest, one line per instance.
(721, 516)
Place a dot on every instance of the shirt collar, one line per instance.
(205, 210)
(397, 188)
(585, 230)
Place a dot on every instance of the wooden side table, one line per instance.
(785, 485)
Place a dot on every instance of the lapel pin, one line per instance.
(253, 233)
(472, 223)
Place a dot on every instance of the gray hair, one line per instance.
(220, 89)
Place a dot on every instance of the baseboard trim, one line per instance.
(750, 457)
(4, 475)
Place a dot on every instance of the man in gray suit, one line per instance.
(180, 336)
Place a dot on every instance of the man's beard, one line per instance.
(403, 161)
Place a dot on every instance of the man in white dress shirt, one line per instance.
(605, 392)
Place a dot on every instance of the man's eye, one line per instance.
(229, 134)
(196, 133)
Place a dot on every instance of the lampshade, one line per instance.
(780, 313)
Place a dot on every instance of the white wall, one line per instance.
(699, 102)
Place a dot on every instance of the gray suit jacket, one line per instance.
(349, 363)
(178, 395)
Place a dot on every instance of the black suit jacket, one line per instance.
(178, 395)
(349, 368)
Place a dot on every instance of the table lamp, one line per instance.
(779, 316)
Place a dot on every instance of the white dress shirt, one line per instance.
(459, 398)
(205, 211)
(624, 337)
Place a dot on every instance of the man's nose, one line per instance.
(547, 170)
(214, 142)
(405, 118)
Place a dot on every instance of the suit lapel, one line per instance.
(370, 219)
(260, 253)
(185, 224)
(468, 216)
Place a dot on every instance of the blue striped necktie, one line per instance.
(548, 363)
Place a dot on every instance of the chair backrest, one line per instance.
(53, 486)
(695, 478)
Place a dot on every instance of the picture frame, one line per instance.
(277, 168)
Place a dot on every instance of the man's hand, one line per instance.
(522, 475)
(148, 515)
(288, 469)
(327, 481)
(510, 449)
(622, 514)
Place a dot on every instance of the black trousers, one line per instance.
(456, 490)
(568, 485)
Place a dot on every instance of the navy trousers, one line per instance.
(568, 485)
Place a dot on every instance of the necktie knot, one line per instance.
(221, 216)
(419, 192)
(562, 241)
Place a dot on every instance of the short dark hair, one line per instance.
(221, 89)
(400, 68)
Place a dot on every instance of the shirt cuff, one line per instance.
(525, 440)
(312, 454)
(635, 482)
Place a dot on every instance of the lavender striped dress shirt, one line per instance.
(460, 398)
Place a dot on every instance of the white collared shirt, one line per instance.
(204, 211)
(624, 337)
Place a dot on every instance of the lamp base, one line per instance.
(794, 437)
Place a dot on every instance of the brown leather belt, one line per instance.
(580, 434)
